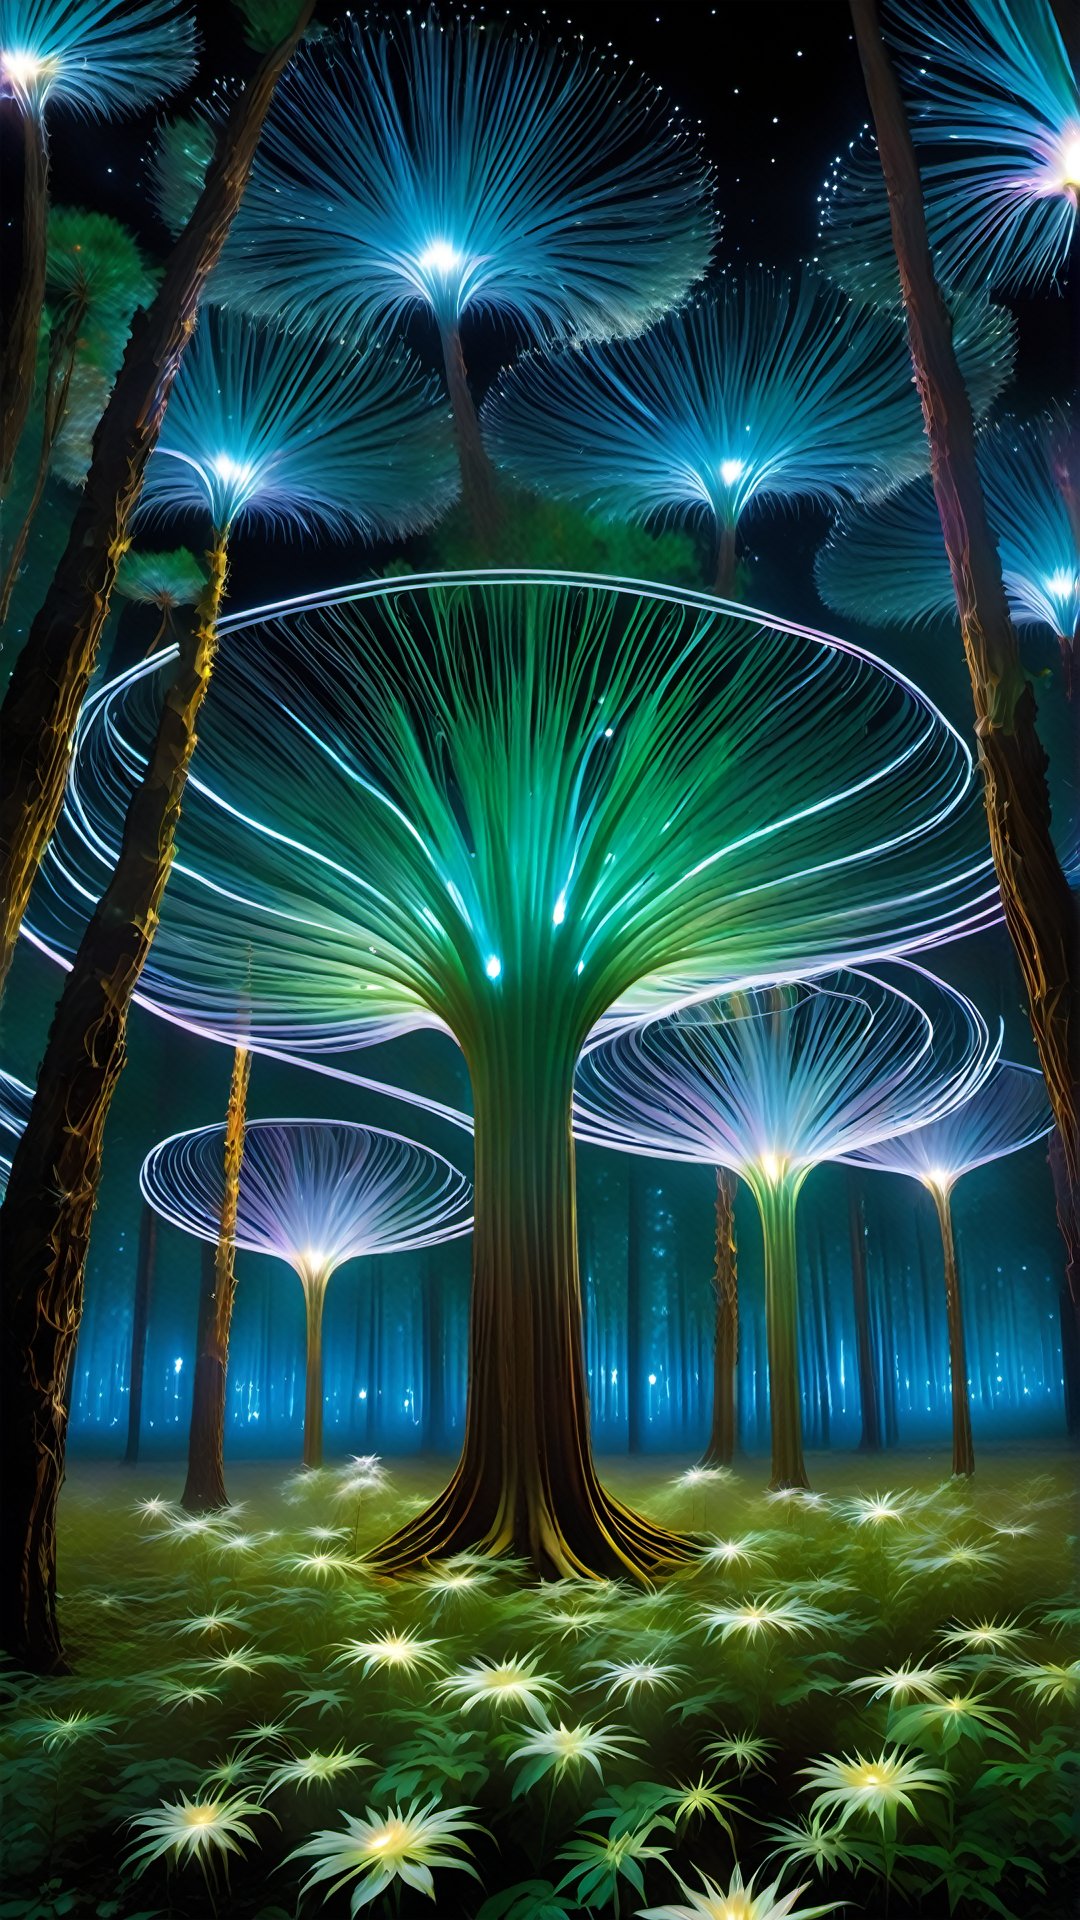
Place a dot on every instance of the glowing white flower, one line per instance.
(381, 1848)
(557, 1749)
(512, 1682)
(738, 1902)
(406, 1652)
(875, 1787)
(315, 1768)
(184, 1830)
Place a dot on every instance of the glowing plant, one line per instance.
(402, 1652)
(1009, 1111)
(995, 115)
(183, 1830)
(558, 1750)
(885, 561)
(377, 1849)
(876, 1789)
(97, 59)
(315, 1193)
(770, 1082)
(468, 172)
(512, 1681)
(512, 806)
(163, 580)
(16, 1099)
(738, 1901)
(767, 392)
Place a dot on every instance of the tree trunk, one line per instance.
(1040, 913)
(52, 1189)
(62, 349)
(51, 675)
(204, 1489)
(723, 1436)
(434, 1358)
(724, 576)
(636, 1236)
(314, 1301)
(870, 1435)
(1069, 1222)
(479, 489)
(18, 356)
(777, 1203)
(963, 1452)
(140, 1320)
(526, 1483)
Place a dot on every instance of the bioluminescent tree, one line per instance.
(314, 1193)
(771, 1082)
(1008, 1111)
(96, 59)
(995, 117)
(512, 806)
(15, 1101)
(885, 561)
(167, 581)
(767, 392)
(468, 172)
(95, 277)
(1039, 910)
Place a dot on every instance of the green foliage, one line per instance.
(267, 22)
(548, 533)
(164, 580)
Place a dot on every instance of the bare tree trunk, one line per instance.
(963, 1454)
(51, 675)
(636, 1234)
(723, 1437)
(314, 1301)
(1069, 1294)
(1040, 912)
(434, 1357)
(140, 1320)
(724, 576)
(204, 1489)
(870, 1436)
(18, 355)
(479, 492)
(62, 350)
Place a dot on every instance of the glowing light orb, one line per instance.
(441, 258)
(1069, 179)
(235, 473)
(23, 70)
(493, 966)
(1062, 585)
(732, 470)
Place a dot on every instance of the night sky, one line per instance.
(776, 87)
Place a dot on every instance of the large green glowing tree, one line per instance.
(513, 807)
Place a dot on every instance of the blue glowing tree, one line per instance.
(995, 115)
(769, 1083)
(513, 807)
(765, 393)
(885, 560)
(96, 59)
(465, 171)
(314, 1193)
(1010, 1110)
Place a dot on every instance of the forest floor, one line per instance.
(870, 1693)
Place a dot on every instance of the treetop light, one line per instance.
(98, 58)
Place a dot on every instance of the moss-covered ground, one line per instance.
(870, 1693)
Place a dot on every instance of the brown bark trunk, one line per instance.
(870, 1435)
(724, 576)
(204, 1488)
(51, 675)
(723, 1437)
(1039, 911)
(18, 355)
(61, 369)
(52, 1189)
(963, 1451)
(140, 1320)
(526, 1483)
(479, 493)
(314, 1301)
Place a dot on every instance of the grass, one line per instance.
(871, 1694)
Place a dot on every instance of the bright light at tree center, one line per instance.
(1062, 584)
(731, 471)
(440, 258)
(22, 70)
(1070, 160)
(234, 473)
(493, 966)
(772, 1166)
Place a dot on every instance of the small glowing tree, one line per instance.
(509, 806)
(1009, 1111)
(767, 392)
(315, 1193)
(886, 561)
(466, 171)
(771, 1082)
(97, 59)
(995, 117)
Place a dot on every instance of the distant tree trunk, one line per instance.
(479, 488)
(1040, 912)
(888, 1356)
(636, 1236)
(314, 1302)
(1069, 1293)
(204, 1490)
(821, 1347)
(18, 354)
(434, 1358)
(63, 345)
(723, 1436)
(963, 1452)
(870, 1435)
(140, 1320)
(374, 1341)
(51, 675)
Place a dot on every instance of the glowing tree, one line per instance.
(768, 392)
(771, 1082)
(316, 1194)
(96, 59)
(166, 581)
(15, 1099)
(95, 277)
(886, 561)
(1009, 1111)
(995, 117)
(512, 806)
(465, 173)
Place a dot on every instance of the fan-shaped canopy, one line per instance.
(470, 799)
(314, 1192)
(1009, 1111)
(98, 58)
